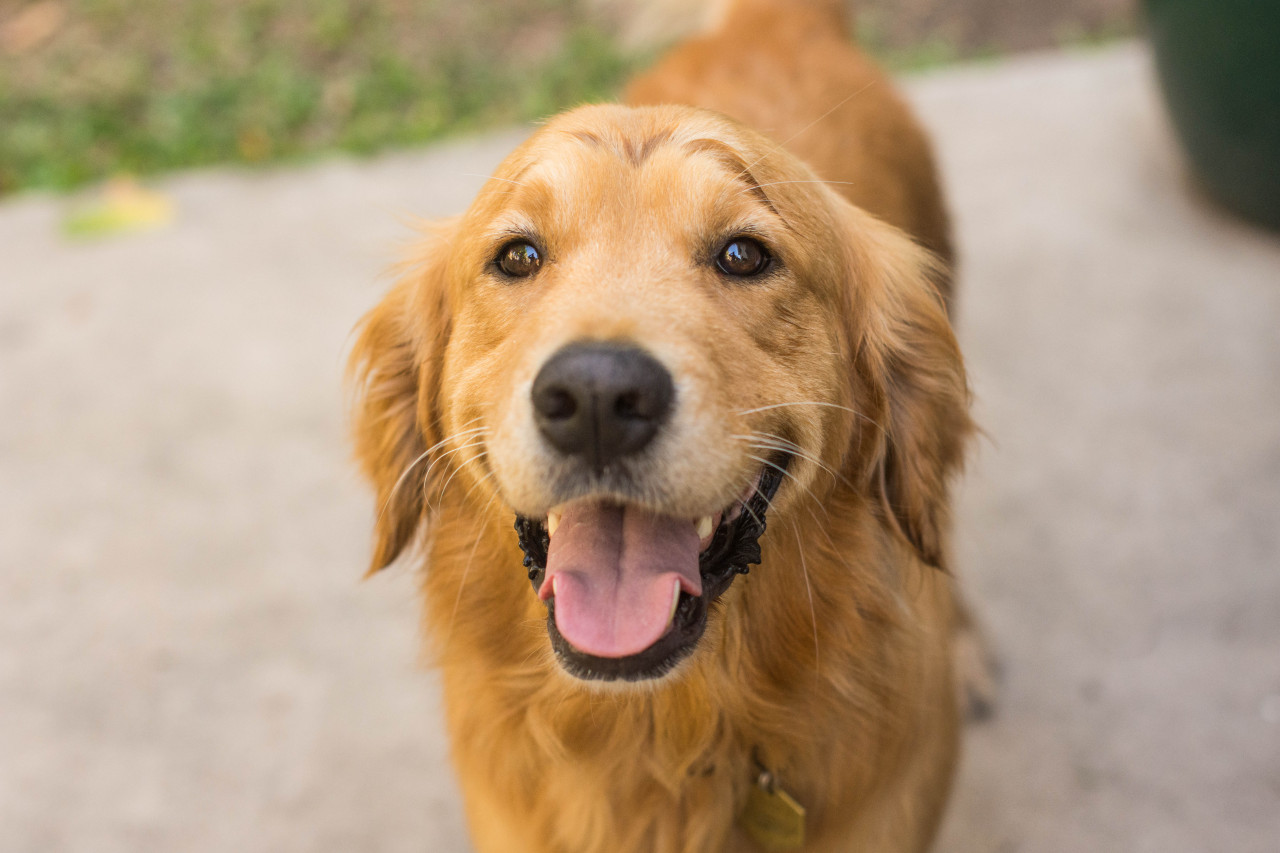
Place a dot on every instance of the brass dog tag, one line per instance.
(772, 817)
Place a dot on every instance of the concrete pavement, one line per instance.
(188, 660)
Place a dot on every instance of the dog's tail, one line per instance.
(652, 23)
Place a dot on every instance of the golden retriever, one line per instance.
(659, 328)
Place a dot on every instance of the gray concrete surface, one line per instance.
(188, 660)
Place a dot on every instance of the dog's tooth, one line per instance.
(704, 527)
(553, 521)
(675, 602)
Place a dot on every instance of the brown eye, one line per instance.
(742, 257)
(519, 259)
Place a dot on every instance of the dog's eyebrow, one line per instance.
(635, 151)
(734, 162)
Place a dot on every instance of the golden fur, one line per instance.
(831, 661)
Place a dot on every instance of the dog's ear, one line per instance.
(907, 361)
(394, 374)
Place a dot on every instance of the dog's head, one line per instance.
(652, 328)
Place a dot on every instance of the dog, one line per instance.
(670, 416)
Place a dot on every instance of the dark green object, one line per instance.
(1219, 66)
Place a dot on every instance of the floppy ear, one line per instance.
(394, 373)
(908, 361)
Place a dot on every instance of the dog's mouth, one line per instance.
(627, 590)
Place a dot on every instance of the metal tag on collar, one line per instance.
(772, 817)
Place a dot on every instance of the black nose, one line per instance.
(601, 401)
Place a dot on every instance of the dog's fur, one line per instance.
(831, 662)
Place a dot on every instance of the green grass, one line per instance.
(1075, 37)
(134, 87)
(139, 86)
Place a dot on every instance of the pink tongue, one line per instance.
(613, 571)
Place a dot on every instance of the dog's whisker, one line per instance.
(404, 475)
(462, 433)
(785, 473)
(472, 441)
(813, 615)
(769, 501)
(835, 553)
(465, 572)
(428, 452)
(830, 472)
(751, 512)
(769, 441)
(532, 652)
(400, 481)
(485, 477)
(456, 468)
(853, 412)
(764, 442)
(795, 403)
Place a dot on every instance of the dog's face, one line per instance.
(651, 328)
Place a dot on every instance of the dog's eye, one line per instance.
(519, 259)
(742, 257)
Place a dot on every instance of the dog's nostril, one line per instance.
(627, 405)
(557, 404)
(601, 401)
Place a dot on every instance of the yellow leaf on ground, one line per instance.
(122, 205)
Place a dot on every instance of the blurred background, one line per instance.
(95, 88)
(199, 199)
